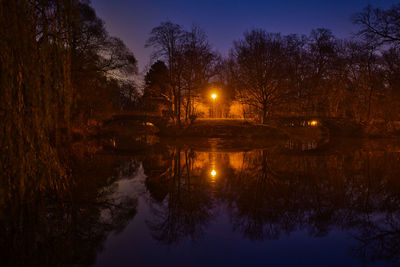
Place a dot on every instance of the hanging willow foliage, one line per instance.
(35, 93)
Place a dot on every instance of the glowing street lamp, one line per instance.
(213, 173)
(213, 96)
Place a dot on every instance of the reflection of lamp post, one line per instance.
(213, 96)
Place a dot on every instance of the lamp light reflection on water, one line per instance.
(214, 96)
(213, 173)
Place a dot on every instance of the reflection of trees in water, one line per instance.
(181, 199)
(357, 191)
(375, 203)
(278, 193)
(254, 200)
(378, 238)
(269, 193)
(65, 225)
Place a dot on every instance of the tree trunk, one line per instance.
(179, 107)
(264, 114)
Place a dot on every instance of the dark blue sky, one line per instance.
(226, 20)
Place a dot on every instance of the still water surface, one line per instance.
(216, 203)
(210, 203)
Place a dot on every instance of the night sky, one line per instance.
(224, 20)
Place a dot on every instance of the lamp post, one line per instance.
(213, 96)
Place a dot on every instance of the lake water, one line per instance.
(222, 203)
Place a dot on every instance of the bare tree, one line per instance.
(382, 26)
(199, 66)
(36, 91)
(102, 67)
(167, 41)
(261, 70)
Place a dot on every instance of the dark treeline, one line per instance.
(60, 73)
(271, 74)
(191, 63)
